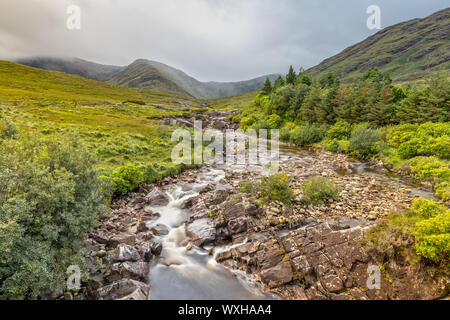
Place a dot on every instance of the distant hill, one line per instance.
(75, 66)
(146, 74)
(408, 51)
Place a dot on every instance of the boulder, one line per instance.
(126, 253)
(157, 198)
(122, 238)
(201, 231)
(126, 289)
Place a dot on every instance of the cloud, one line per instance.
(209, 39)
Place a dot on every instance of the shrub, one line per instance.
(426, 208)
(319, 189)
(248, 121)
(247, 187)
(285, 135)
(275, 188)
(308, 135)
(433, 237)
(274, 121)
(126, 178)
(51, 195)
(429, 167)
(340, 131)
(363, 143)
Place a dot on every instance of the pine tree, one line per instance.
(267, 89)
(291, 76)
(278, 83)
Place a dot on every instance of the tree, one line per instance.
(267, 89)
(310, 111)
(303, 78)
(291, 76)
(278, 83)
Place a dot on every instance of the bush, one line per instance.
(308, 135)
(274, 121)
(247, 187)
(126, 178)
(285, 135)
(363, 143)
(426, 208)
(275, 188)
(319, 189)
(433, 238)
(51, 195)
(340, 131)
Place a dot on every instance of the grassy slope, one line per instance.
(408, 51)
(52, 103)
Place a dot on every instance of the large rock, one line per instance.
(122, 238)
(132, 270)
(126, 253)
(278, 275)
(125, 289)
(157, 198)
(330, 263)
(201, 231)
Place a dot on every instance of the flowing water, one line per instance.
(182, 274)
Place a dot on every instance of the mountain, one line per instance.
(408, 51)
(146, 74)
(74, 66)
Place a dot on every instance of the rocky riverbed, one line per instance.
(195, 235)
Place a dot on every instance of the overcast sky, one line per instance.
(219, 40)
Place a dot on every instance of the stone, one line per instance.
(237, 226)
(201, 231)
(160, 230)
(125, 289)
(122, 238)
(278, 275)
(126, 253)
(157, 198)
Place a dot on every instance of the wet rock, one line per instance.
(237, 226)
(253, 210)
(130, 270)
(278, 275)
(126, 253)
(160, 230)
(156, 248)
(126, 289)
(157, 198)
(233, 210)
(122, 238)
(201, 231)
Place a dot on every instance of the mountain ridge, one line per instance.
(148, 74)
(407, 50)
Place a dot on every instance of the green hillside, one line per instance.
(408, 51)
(121, 125)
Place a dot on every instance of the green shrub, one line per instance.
(426, 208)
(285, 135)
(340, 131)
(319, 189)
(274, 121)
(363, 142)
(51, 195)
(433, 238)
(429, 167)
(247, 187)
(275, 188)
(127, 178)
(308, 135)
(248, 121)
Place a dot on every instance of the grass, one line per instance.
(52, 103)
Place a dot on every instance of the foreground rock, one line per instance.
(327, 262)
